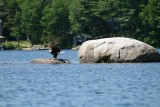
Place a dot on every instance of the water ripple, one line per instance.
(23, 84)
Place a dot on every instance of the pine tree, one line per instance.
(55, 20)
(151, 22)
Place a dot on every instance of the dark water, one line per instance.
(23, 84)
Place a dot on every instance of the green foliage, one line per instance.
(24, 44)
(9, 46)
(42, 21)
(30, 19)
(74, 17)
(15, 45)
(151, 22)
(7, 11)
(55, 20)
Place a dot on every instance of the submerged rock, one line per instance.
(117, 50)
(50, 61)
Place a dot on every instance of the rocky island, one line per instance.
(50, 61)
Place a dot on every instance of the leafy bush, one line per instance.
(24, 44)
(9, 46)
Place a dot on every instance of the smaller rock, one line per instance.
(26, 49)
(50, 61)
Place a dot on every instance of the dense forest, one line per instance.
(42, 21)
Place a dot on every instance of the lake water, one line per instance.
(23, 84)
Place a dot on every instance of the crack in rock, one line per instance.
(100, 44)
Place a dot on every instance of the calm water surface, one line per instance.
(23, 84)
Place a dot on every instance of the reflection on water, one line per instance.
(23, 84)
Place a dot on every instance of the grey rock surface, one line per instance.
(117, 50)
(50, 61)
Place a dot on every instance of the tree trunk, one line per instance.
(112, 26)
(18, 42)
(28, 39)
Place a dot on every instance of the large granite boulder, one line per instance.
(117, 50)
(50, 61)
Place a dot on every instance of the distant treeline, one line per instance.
(42, 21)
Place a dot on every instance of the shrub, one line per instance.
(9, 46)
